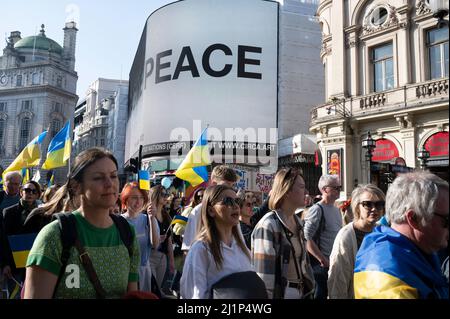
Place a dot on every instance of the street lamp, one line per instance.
(439, 8)
(369, 143)
(423, 155)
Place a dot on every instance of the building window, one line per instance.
(35, 78)
(379, 16)
(57, 107)
(102, 142)
(59, 81)
(24, 136)
(2, 106)
(437, 43)
(55, 127)
(383, 68)
(19, 80)
(27, 105)
(2, 133)
(103, 131)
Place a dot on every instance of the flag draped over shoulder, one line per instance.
(59, 149)
(193, 168)
(29, 157)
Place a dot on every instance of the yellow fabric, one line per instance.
(20, 258)
(380, 285)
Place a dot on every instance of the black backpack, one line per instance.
(67, 225)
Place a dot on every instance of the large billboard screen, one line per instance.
(207, 62)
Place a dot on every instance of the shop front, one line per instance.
(437, 146)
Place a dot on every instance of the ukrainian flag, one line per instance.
(144, 180)
(20, 247)
(51, 181)
(193, 168)
(29, 157)
(389, 266)
(59, 149)
(178, 219)
(25, 175)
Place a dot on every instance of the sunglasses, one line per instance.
(444, 218)
(30, 190)
(370, 205)
(228, 201)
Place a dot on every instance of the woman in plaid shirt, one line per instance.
(278, 245)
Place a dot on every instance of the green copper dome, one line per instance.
(39, 42)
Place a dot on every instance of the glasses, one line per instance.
(336, 188)
(370, 205)
(30, 190)
(228, 201)
(444, 218)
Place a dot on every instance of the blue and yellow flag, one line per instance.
(59, 149)
(20, 247)
(144, 180)
(29, 157)
(193, 168)
(178, 219)
(25, 175)
(51, 181)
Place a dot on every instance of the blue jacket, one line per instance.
(389, 266)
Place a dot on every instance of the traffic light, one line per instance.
(134, 165)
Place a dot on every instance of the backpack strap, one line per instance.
(126, 235)
(68, 230)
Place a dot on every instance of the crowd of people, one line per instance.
(95, 240)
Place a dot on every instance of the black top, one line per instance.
(359, 236)
(247, 233)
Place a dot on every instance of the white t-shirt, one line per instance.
(190, 231)
(200, 271)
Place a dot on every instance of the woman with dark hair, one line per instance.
(134, 200)
(98, 244)
(219, 250)
(162, 255)
(278, 244)
(13, 224)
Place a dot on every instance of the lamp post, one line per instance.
(439, 8)
(423, 155)
(369, 144)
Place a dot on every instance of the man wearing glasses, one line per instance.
(13, 224)
(400, 261)
(322, 224)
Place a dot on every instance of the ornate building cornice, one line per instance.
(422, 8)
(391, 21)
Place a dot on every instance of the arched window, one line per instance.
(24, 137)
(55, 127)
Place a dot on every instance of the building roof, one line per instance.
(39, 42)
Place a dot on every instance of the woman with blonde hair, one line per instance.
(219, 250)
(367, 204)
(162, 258)
(278, 244)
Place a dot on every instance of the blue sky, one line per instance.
(109, 31)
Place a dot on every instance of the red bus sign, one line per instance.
(437, 144)
(385, 151)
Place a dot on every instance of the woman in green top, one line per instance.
(94, 178)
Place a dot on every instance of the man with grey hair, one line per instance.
(322, 224)
(401, 261)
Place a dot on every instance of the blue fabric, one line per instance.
(388, 251)
(141, 226)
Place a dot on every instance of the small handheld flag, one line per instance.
(144, 180)
(178, 219)
(20, 247)
(25, 175)
(51, 181)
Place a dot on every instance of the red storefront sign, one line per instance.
(385, 151)
(437, 144)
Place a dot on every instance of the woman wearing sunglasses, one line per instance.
(219, 250)
(368, 207)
